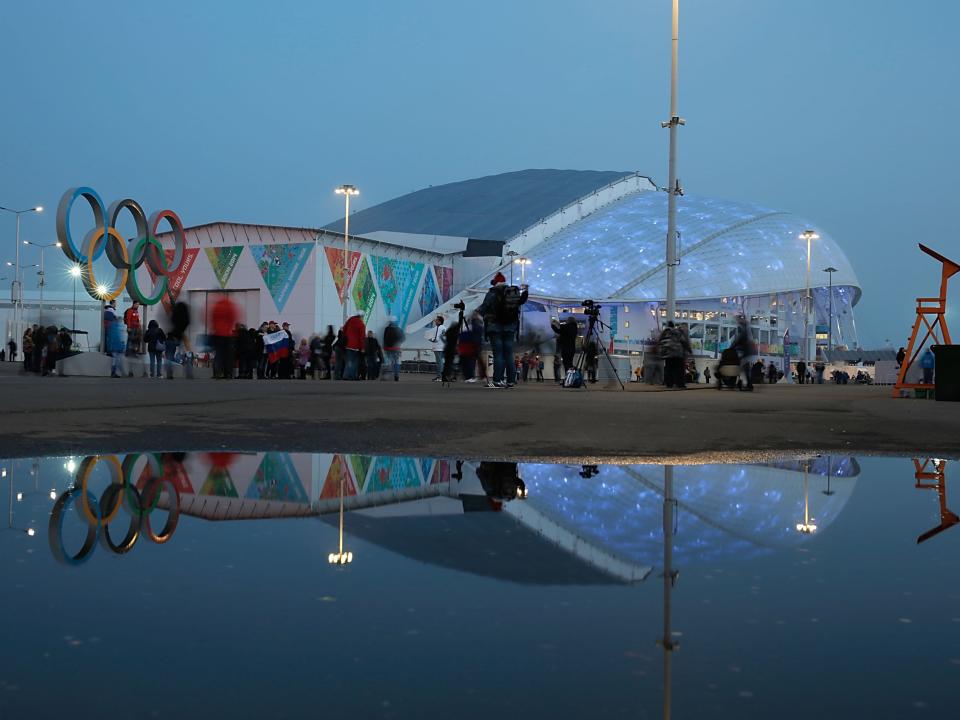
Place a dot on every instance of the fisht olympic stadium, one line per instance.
(573, 235)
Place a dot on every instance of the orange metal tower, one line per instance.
(934, 329)
(935, 469)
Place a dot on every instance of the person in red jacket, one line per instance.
(355, 333)
(223, 321)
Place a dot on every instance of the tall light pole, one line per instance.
(523, 265)
(347, 191)
(43, 279)
(513, 255)
(808, 526)
(809, 236)
(75, 272)
(830, 270)
(18, 297)
(669, 580)
(673, 185)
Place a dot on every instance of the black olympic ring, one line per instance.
(145, 247)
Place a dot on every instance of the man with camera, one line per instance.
(501, 316)
(436, 336)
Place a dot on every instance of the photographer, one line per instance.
(501, 317)
(436, 337)
(566, 340)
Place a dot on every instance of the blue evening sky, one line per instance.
(843, 112)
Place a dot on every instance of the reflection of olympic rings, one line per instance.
(98, 515)
(145, 247)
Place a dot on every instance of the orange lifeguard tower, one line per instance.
(935, 328)
(935, 469)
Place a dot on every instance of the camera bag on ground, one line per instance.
(574, 378)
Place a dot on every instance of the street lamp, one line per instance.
(673, 184)
(831, 270)
(347, 191)
(523, 264)
(809, 236)
(41, 274)
(18, 298)
(340, 557)
(75, 272)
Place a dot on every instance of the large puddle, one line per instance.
(318, 585)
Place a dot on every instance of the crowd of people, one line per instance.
(42, 347)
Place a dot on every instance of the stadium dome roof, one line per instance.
(496, 207)
(726, 249)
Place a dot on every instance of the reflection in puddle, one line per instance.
(532, 525)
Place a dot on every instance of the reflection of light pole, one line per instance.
(806, 527)
(347, 191)
(340, 557)
(41, 274)
(18, 298)
(809, 236)
(831, 270)
(669, 580)
(75, 272)
(29, 531)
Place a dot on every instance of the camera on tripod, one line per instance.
(461, 306)
(590, 308)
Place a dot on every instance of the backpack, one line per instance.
(507, 307)
(574, 378)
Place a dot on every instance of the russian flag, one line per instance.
(277, 345)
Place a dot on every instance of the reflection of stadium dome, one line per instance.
(724, 510)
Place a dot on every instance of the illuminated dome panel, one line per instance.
(727, 249)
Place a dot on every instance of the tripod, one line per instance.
(594, 325)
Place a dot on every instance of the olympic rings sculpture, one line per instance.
(145, 247)
(99, 513)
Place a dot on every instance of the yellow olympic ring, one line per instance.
(119, 280)
(83, 477)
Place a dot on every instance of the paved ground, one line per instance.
(414, 416)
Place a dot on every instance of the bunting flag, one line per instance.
(364, 291)
(223, 260)
(441, 473)
(176, 281)
(219, 484)
(277, 479)
(425, 465)
(280, 267)
(339, 471)
(445, 280)
(398, 281)
(429, 298)
(277, 345)
(335, 262)
(392, 473)
(361, 464)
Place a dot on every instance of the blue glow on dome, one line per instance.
(726, 248)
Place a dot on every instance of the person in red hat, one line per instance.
(501, 314)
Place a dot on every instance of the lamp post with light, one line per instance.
(18, 297)
(10, 526)
(809, 236)
(340, 557)
(673, 184)
(831, 270)
(513, 255)
(523, 264)
(41, 273)
(347, 191)
(75, 272)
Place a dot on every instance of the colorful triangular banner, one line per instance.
(335, 263)
(364, 291)
(280, 267)
(277, 479)
(223, 260)
(339, 471)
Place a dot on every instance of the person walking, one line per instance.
(354, 333)
(557, 377)
(468, 346)
(374, 356)
(801, 372)
(392, 342)
(436, 336)
(326, 353)
(340, 355)
(223, 323)
(131, 320)
(567, 332)
(27, 343)
(538, 366)
(113, 341)
(706, 374)
(12, 346)
(501, 316)
(177, 337)
(524, 368)
(673, 351)
(316, 353)
(901, 356)
(156, 342)
(303, 358)
(928, 363)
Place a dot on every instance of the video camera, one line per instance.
(591, 308)
(461, 306)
